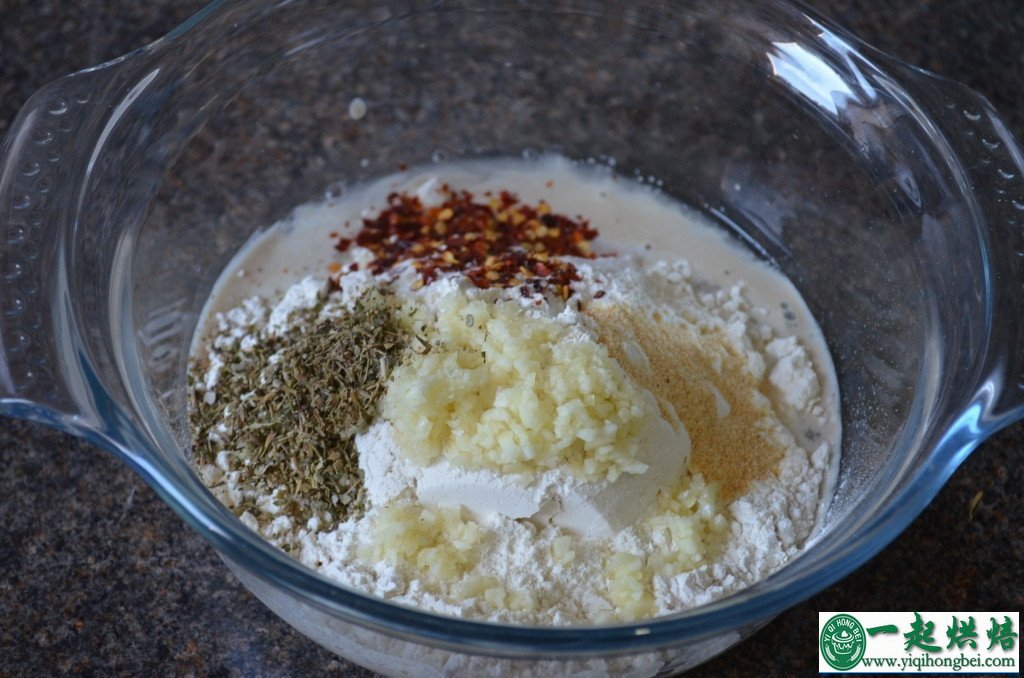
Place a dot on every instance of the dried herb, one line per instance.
(288, 408)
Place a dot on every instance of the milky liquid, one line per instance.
(630, 217)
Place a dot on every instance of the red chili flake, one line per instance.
(598, 294)
(498, 243)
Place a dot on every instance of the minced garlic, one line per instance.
(509, 391)
(686, 531)
(436, 541)
(628, 587)
(687, 528)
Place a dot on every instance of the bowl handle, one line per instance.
(45, 161)
(987, 155)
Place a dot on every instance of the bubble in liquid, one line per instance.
(23, 378)
(15, 235)
(357, 108)
(13, 306)
(13, 270)
(18, 342)
(990, 144)
(42, 136)
(57, 107)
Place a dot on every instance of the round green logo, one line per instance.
(842, 642)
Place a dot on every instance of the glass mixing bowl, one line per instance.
(891, 197)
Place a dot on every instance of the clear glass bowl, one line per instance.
(891, 197)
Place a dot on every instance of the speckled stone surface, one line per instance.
(98, 576)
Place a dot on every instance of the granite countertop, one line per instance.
(97, 575)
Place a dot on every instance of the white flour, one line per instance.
(768, 524)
